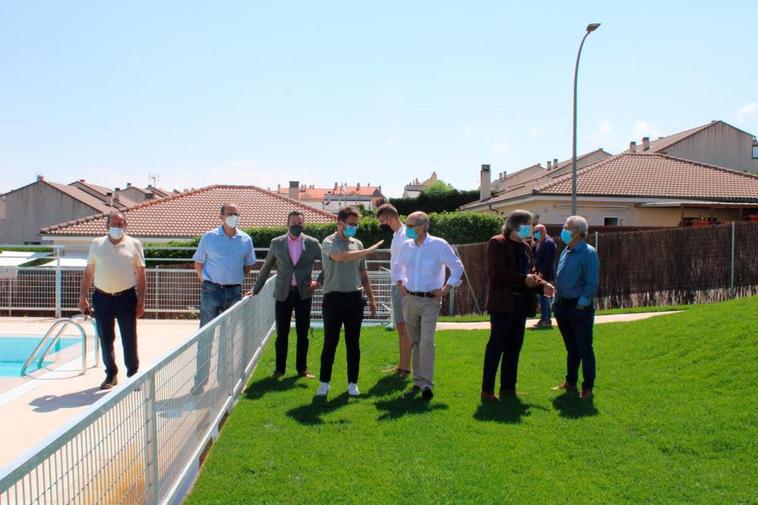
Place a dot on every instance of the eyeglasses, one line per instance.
(412, 225)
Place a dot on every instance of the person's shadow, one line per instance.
(259, 388)
(399, 407)
(508, 410)
(387, 385)
(571, 406)
(312, 413)
(50, 403)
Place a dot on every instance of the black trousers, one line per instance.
(121, 308)
(302, 308)
(342, 309)
(503, 348)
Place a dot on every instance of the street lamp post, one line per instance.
(590, 28)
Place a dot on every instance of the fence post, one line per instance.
(596, 242)
(58, 283)
(152, 479)
(731, 264)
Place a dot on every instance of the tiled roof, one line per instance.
(657, 176)
(192, 213)
(665, 142)
(80, 195)
(314, 194)
(101, 192)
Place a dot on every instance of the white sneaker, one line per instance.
(323, 389)
(352, 389)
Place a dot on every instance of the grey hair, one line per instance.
(579, 223)
(516, 219)
(423, 219)
(114, 213)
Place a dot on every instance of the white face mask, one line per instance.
(116, 233)
(231, 221)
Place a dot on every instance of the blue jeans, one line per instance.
(576, 328)
(545, 302)
(214, 299)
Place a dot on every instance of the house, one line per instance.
(414, 188)
(634, 190)
(184, 216)
(336, 197)
(24, 210)
(510, 181)
(715, 143)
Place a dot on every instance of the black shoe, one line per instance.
(109, 382)
(427, 394)
(129, 374)
(412, 393)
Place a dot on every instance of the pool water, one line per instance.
(15, 350)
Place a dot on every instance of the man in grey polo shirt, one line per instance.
(345, 273)
(389, 221)
(224, 256)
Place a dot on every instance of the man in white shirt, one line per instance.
(419, 273)
(117, 265)
(389, 221)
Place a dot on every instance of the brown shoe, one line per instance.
(277, 375)
(109, 382)
(565, 386)
(489, 397)
(586, 394)
(306, 374)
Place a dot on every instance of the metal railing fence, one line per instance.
(142, 442)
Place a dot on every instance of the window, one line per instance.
(610, 221)
(755, 152)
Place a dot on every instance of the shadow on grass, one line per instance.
(311, 414)
(266, 385)
(508, 410)
(387, 385)
(570, 406)
(399, 407)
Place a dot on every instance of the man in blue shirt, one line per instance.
(577, 280)
(223, 258)
(544, 262)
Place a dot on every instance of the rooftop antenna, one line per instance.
(154, 178)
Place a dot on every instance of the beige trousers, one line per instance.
(421, 320)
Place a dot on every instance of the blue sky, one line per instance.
(377, 92)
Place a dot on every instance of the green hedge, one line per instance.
(455, 227)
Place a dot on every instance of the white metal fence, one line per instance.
(142, 442)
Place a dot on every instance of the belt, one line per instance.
(568, 301)
(225, 286)
(423, 294)
(119, 293)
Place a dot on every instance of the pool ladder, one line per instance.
(54, 333)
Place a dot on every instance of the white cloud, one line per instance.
(747, 109)
(390, 141)
(604, 135)
(534, 130)
(468, 130)
(645, 129)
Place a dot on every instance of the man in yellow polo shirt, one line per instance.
(117, 265)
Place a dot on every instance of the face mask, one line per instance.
(231, 221)
(537, 235)
(524, 231)
(296, 230)
(116, 233)
(566, 236)
(385, 228)
(350, 231)
(411, 233)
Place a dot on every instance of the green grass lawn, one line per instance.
(674, 421)
(475, 318)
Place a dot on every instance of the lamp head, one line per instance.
(592, 27)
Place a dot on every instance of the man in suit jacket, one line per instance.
(294, 254)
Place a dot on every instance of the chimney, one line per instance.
(549, 164)
(645, 143)
(632, 146)
(40, 178)
(294, 191)
(117, 195)
(555, 162)
(81, 180)
(128, 184)
(109, 199)
(485, 187)
(358, 186)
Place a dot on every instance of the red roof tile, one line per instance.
(657, 176)
(312, 194)
(80, 195)
(192, 213)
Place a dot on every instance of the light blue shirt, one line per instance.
(578, 274)
(224, 257)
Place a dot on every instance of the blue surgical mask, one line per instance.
(524, 231)
(566, 236)
(411, 233)
(350, 231)
(116, 233)
(537, 235)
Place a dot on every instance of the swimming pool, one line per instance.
(14, 350)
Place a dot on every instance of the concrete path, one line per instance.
(614, 318)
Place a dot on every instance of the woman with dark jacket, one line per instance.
(511, 297)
